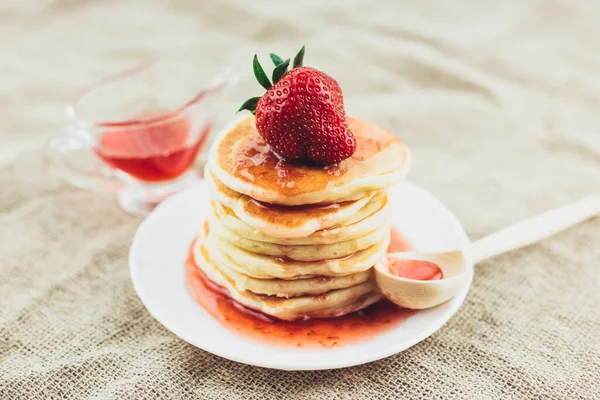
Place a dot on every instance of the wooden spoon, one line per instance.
(456, 264)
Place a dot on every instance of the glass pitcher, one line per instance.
(146, 126)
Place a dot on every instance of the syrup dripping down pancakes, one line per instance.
(296, 241)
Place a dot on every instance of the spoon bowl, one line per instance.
(420, 294)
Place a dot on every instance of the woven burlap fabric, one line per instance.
(498, 102)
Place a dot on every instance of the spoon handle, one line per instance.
(536, 228)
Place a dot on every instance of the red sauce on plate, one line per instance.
(316, 333)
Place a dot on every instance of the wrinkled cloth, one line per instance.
(497, 101)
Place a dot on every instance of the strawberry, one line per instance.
(301, 116)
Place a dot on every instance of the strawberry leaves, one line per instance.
(260, 75)
(276, 59)
(250, 105)
(281, 68)
(299, 58)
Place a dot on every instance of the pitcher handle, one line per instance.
(66, 141)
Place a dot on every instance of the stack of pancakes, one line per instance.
(297, 241)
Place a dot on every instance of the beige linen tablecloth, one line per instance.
(499, 103)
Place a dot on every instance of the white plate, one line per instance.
(160, 248)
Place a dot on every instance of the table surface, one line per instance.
(499, 104)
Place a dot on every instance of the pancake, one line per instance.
(374, 214)
(242, 161)
(281, 221)
(330, 304)
(267, 267)
(309, 252)
(280, 287)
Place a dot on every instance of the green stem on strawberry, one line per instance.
(281, 68)
(260, 75)
(299, 58)
(250, 105)
(276, 59)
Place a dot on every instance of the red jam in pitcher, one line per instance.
(152, 149)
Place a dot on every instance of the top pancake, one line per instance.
(242, 160)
